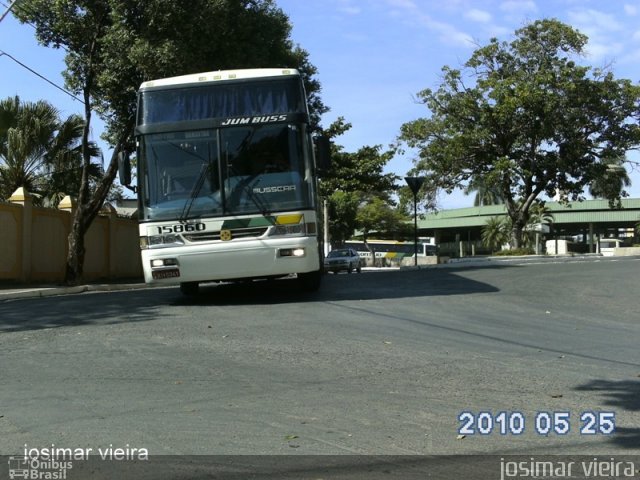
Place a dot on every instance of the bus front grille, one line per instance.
(237, 233)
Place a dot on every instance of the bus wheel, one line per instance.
(189, 288)
(310, 282)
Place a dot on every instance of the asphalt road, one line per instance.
(378, 363)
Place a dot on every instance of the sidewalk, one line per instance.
(17, 291)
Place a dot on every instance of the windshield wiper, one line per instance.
(195, 191)
(246, 186)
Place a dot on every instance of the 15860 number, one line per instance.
(181, 228)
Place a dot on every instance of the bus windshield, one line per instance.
(278, 95)
(221, 172)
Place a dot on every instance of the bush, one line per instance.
(515, 252)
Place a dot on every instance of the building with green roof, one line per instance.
(586, 221)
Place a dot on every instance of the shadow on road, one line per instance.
(620, 395)
(81, 309)
(378, 285)
(146, 305)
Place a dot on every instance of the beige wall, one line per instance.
(626, 251)
(33, 244)
(10, 241)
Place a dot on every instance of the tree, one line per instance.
(426, 196)
(343, 210)
(25, 130)
(496, 232)
(612, 182)
(540, 214)
(353, 178)
(362, 171)
(113, 45)
(63, 162)
(38, 150)
(528, 120)
(486, 193)
(375, 214)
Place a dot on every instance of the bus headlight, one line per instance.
(292, 252)
(164, 262)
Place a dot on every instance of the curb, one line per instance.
(522, 260)
(39, 292)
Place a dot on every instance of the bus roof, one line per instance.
(220, 75)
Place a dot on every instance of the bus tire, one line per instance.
(189, 288)
(310, 282)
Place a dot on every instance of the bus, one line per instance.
(227, 179)
(393, 251)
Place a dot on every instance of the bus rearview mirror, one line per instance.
(124, 168)
(323, 153)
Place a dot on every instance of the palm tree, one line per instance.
(538, 215)
(496, 232)
(613, 181)
(38, 151)
(62, 166)
(486, 192)
(25, 130)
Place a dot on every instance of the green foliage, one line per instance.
(353, 180)
(539, 213)
(612, 182)
(375, 214)
(515, 252)
(114, 45)
(343, 208)
(496, 232)
(523, 116)
(487, 192)
(362, 171)
(39, 151)
(426, 197)
(26, 129)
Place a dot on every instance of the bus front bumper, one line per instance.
(230, 261)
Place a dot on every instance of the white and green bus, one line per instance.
(227, 179)
(392, 251)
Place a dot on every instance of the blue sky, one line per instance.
(373, 56)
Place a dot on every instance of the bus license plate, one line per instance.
(160, 274)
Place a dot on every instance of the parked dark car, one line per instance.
(341, 259)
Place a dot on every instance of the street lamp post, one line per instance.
(414, 184)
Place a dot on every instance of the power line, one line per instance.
(41, 76)
(20, 7)
(8, 10)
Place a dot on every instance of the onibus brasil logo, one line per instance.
(36, 468)
(52, 463)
